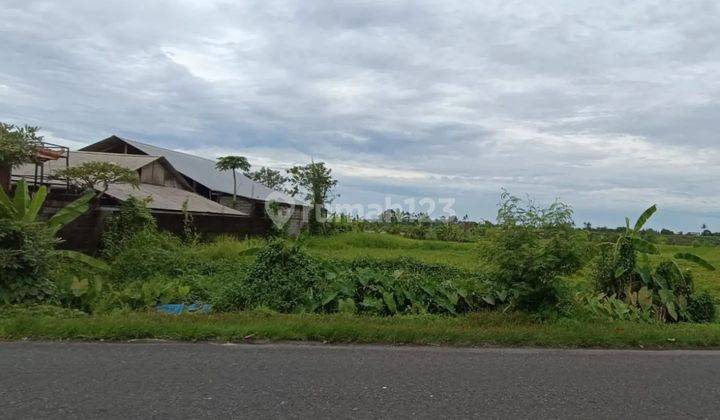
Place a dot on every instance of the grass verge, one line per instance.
(478, 329)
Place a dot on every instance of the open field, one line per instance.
(466, 255)
(348, 246)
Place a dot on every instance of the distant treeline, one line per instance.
(421, 226)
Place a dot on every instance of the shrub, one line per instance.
(147, 254)
(283, 278)
(529, 250)
(132, 217)
(701, 308)
(26, 261)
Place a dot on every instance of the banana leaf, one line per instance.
(35, 204)
(83, 258)
(647, 214)
(695, 259)
(71, 212)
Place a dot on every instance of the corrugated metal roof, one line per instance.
(132, 162)
(172, 199)
(203, 171)
(163, 198)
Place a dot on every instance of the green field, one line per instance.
(348, 246)
(466, 255)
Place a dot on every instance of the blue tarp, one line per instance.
(180, 308)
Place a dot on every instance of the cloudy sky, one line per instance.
(608, 105)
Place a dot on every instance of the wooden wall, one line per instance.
(84, 234)
(155, 173)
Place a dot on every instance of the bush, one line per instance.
(529, 250)
(147, 254)
(132, 218)
(283, 278)
(26, 261)
(701, 308)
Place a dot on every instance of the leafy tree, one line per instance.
(270, 178)
(98, 175)
(316, 182)
(233, 163)
(17, 146)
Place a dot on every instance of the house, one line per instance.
(175, 183)
(209, 182)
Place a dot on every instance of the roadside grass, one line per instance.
(478, 329)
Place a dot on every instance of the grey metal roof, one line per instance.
(203, 171)
(132, 162)
(163, 198)
(169, 198)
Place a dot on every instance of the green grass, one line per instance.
(466, 255)
(479, 329)
(349, 246)
(705, 281)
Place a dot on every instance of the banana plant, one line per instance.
(25, 207)
(639, 282)
(631, 242)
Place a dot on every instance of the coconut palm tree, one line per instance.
(233, 163)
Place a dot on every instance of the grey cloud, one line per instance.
(606, 101)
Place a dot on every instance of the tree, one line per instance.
(270, 178)
(17, 146)
(316, 182)
(233, 163)
(98, 175)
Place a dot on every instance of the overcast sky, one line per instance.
(608, 105)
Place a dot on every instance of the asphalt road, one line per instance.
(185, 380)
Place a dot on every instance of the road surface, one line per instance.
(186, 380)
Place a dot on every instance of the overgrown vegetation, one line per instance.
(530, 269)
(27, 245)
(638, 289)
(529, 251)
